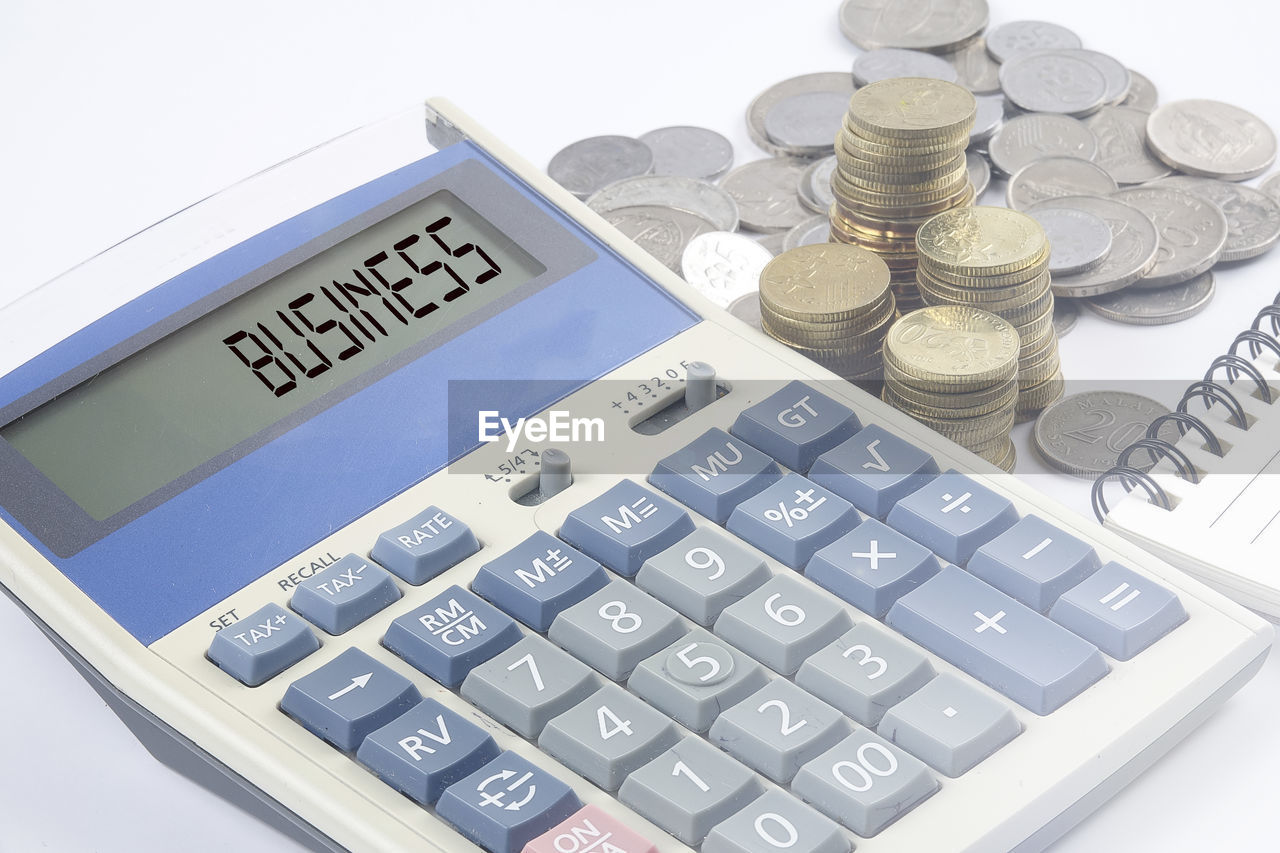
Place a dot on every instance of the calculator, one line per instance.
(395, 496)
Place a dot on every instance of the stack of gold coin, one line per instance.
(954, 368)
(900, 160)
(997, 259)
(832, 303)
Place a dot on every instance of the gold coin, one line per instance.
(1037, 268)
(1038, 397)
(957, 347)
(823, 282)
(872, 174)
(1006, 297)
(913, 108)
(984, 400)
(871, 144)
(982, 241)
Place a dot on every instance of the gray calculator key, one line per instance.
(425, 545)
(607, 736)
(795, 425)
(873, 470)
(695, 677)
(774, 823)
(689, 789)
(782, 623)
(953, 516)
(1034, 562)
(950, 725)
(865, 782)
(349, 697)
(702, 574)
(1119, 611)
(865, 672)
(625, 526)
(528, 684)
(792, 519)
(1001, 642)
(345, 594)
(872, 566)
(714, 474)
(616, 628)
(262, 645)
(778, 728)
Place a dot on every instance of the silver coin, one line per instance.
(1271, 186)
(1053, 81)
(747, 309)
(1122, 145)
(590, 164)
(807, 124)
(827, 81)
(1211, 139)
(1065, 314)
(702, 198)
(1079, 241)
(886, 62)
(1193, 232)
(976, 70)
(1057, 177)
(1082, 435)
(1112, 70)
(723, 266)
(988, 121)
(1142, 93)
(1035, 136)
(815, 186)
(661, 231)
(1156, 307)
(1135, 244)
(807, 233)
(768, 193)
(1253, 217)
(979, 172)
(690, 152)
(1018, 36)
(937, 26)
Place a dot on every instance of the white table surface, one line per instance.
(116, 114)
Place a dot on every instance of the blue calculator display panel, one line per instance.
(566, 312)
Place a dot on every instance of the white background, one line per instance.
(116, 114)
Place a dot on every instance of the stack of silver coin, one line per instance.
(998, 260)
(954, 368)
(831, 303)
(900, 160)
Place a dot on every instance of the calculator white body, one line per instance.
(1028, 793)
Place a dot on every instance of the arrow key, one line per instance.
(507, 803)
(349, 697)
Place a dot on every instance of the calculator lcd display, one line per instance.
(262, 356)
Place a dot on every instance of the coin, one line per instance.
(768, 193)
(815, 185)
(911, 108)
(805, 124)
(1053, 81)
(1027, 138)
(1156, 307)
(661, 231)
(883, 63)
(981, 241)
(828, 282)
(1211, 139)
(1018, 36)
(976, 70)
(588, 165)
(953, 347)
(1082, 435)
(1065, 314)
(1135, 245)
(724, 266)
(1142, 93)
(1122, 145)
(691, 152)
(822, 82)
(1116, 75)
(988, 120)
(696, 196)
(979, 172)
(937, 26)
(747, 309)
(1081, 241)
(1057, 177)
(1193, 232)
(1271, 186)
(807, 233)
(1253, 217)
